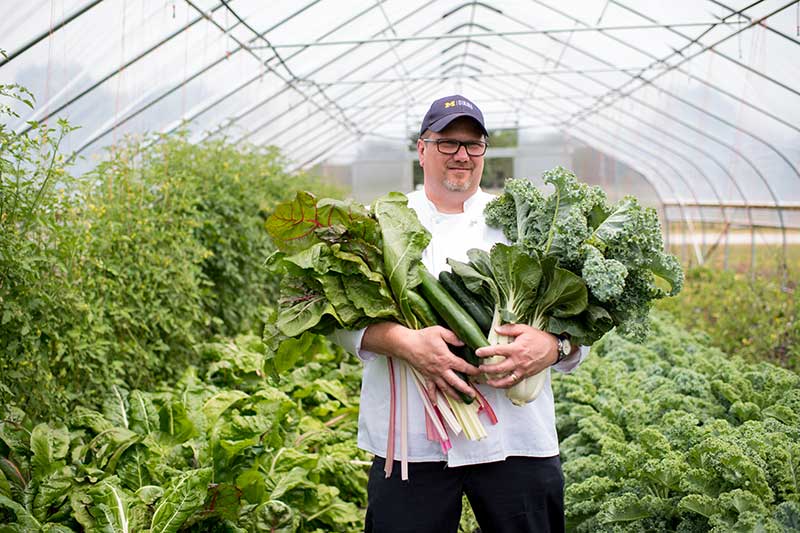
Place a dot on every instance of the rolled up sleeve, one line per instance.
(350, 340)
(568, 364)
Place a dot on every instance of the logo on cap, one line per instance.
(444, 110)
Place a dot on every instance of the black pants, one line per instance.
(518, 495)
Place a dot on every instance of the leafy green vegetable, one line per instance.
(347, 267)
(343, 265)
(195, 455)
(404, 239)
(673, 435)
(523, 289)
(617, 250)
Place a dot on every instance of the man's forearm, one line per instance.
(387, 338)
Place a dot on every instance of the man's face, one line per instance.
(458, 172)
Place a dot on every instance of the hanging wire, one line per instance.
(739, 38)
(185, 67)
(49, 61)
(119, 78)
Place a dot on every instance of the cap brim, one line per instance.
(443, 122)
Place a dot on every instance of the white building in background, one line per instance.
(379, 166)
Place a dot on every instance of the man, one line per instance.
(513, 477)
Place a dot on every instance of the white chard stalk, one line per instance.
(467, 416)
(528, 389)
(456, 414)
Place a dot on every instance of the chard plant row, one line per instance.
(233, 450)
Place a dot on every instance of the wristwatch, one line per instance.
(564, 348)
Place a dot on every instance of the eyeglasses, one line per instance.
(452, 146)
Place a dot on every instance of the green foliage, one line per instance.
(758, 319)
(232, 193)
(616, 249)
(343, 265)
(35, 288)
(113, 278)
(228, 453)
(673, 435)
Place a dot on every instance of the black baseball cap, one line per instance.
(445, 110)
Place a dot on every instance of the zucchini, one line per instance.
(421, 309)
(467, 300)
(467, 354)
(427, 318)
(456, 318)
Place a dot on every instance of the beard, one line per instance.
(457, 186)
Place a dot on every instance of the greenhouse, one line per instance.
(160, 162)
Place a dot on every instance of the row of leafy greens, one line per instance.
(233, 451)
(674, 435)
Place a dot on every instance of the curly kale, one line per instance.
(616, 248)
(604, 277)
(517, 211)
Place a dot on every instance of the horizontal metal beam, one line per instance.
(69, 18)
(539, 72)
(473, 36)
(786, 206)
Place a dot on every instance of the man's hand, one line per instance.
(426, 350)
(532, 351)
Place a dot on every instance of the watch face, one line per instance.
(566, 346)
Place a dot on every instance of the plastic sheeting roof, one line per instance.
(701, 97)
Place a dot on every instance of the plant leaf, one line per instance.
(24, 518)
(564, 294)
(182, 498)
(49, 445)
(143, 416)
(517, 276)
(404, 239)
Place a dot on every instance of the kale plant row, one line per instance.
(672, 435)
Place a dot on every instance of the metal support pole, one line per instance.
(77, 13)
(121, 68)
(177, 86)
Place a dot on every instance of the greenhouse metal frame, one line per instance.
(700, 98)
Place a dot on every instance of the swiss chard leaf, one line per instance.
(182, 498)
(404, 239)
(143, 413)
(303, 302)
(293, 225)
(105, 507)
(24, 518)
(49, 446)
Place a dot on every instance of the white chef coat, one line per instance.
(529, 430)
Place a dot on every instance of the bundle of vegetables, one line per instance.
(344, 266)
(577, 265)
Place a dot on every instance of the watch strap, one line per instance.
(562, 353)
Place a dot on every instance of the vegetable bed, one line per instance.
(673, 435)
(228, 451)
